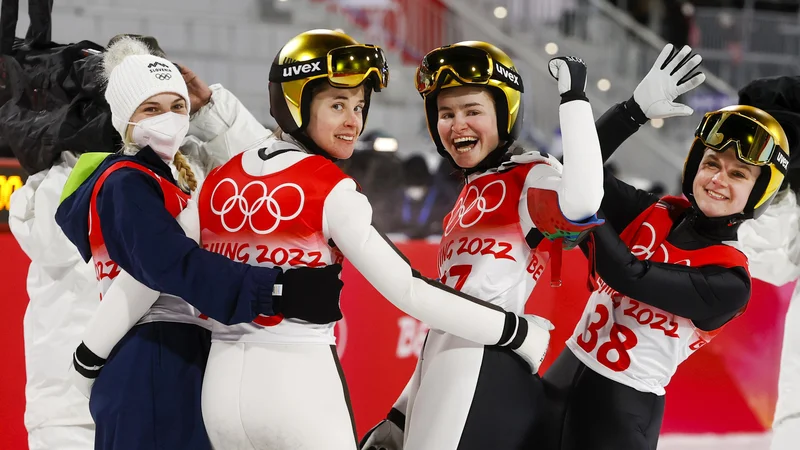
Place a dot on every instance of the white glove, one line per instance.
(570, 71)
(83, 384)
(84, 369)
(656, 93)
(534, 348)
(383, 436)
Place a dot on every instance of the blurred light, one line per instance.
(603, 84)
(383, 144)
(657, 123)
(282, 0)
(551, 48)
(725, 19)
(500, 12)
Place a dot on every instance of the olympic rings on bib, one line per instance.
(460, 211)
(265, 202)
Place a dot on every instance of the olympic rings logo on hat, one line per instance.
(460, 211)
(264, 202)
(163, 76)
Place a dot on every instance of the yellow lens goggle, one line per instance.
(753, 142)
(345, 67)
(468, 65)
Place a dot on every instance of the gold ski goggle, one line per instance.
(753, 142)
(345, 67)
(468, 65)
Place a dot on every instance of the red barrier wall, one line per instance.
(13, 271)
(733, 380)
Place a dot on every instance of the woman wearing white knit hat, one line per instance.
(120, 210)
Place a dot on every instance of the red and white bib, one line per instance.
(270, 220)
(633, 343)
(483, 251)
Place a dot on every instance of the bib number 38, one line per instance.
(621, 340)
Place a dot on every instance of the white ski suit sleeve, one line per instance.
(347, 220)
(580, 191)
(222, 129)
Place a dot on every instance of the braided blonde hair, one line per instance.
(186, 178)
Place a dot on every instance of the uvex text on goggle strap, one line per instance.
(754, 144)
(344, 66)
(469, 65)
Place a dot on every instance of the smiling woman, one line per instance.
(723, 184)
(336, 119)
(467, 124)
(668, 278)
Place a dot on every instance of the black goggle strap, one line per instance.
(781, 159)
(507, 75)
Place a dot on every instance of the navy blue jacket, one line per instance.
(145, 240)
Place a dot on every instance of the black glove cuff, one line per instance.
(86, 362)
(514, 332)
(522, 333)
(88, 357)
(569, 96)
(397, 418)
(509, 328)
(635, 112)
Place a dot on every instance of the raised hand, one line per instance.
(570, 71)
(667, 79)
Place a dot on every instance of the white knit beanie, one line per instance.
(133, 76)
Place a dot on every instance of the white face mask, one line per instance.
(164, 133)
